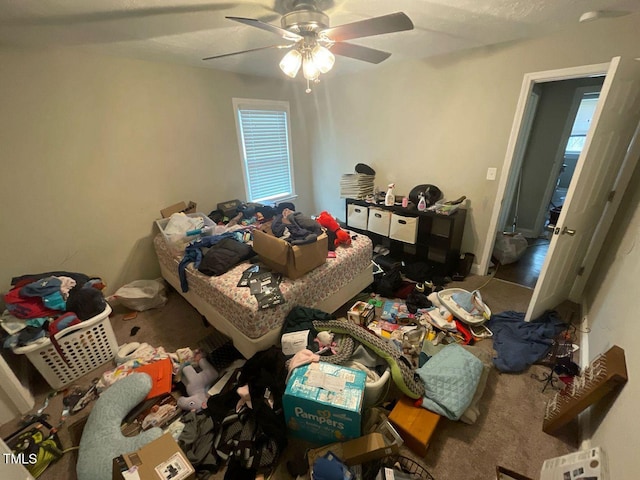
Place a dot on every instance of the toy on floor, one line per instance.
(197, 384)
(325, 343)
(327, 221)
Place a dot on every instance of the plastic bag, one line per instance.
(509, 248)
(142, 295)
(176, 229)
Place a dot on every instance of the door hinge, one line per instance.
(580, 271)
(612, 194)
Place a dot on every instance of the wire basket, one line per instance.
(83, 348)
(397, 462)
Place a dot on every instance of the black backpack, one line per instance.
(388, 283)
(253, 438)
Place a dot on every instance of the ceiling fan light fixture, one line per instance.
(314, 43)
(291, 62)
(310, 70)
(323, 58)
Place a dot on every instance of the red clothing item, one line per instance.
(160, 372)
(29, 307)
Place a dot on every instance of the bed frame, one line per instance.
(249, 346)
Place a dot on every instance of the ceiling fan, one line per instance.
(312, 43)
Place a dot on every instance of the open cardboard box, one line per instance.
(177, 208)
(293, 261)
(161, 459)
(357, 451)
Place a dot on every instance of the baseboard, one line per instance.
(584, 419)
(527, 232)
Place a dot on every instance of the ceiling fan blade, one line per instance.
(252, 22)
(359, 52)
(394, 22)
(108, 26)
(247, 51)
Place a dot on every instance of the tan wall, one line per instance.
(93, 147)
(611, 311)
(445, 120)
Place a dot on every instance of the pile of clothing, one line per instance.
(44, 304)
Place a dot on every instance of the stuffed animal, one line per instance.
(197, 384)
(325, 343)
(341, 237)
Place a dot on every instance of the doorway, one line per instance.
(554, 131)
(611, 152)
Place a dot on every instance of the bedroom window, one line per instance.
(265, 146)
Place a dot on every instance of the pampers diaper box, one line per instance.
(323, 402)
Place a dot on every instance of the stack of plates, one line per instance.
(356, 185)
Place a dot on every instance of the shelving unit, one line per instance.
(438, 237)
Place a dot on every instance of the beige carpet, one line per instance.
(508, 432)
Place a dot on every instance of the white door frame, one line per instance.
(15, 399)
(508, 174)
(511, 192)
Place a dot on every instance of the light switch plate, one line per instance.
(491, 173)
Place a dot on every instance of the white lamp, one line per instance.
(309, 68)
(323, 58)
(290, 63)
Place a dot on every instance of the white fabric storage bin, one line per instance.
(357, 216)
(379, 221)
(404, 228)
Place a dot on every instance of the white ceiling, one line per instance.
(187, 31)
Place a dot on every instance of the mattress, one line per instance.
(240, 307)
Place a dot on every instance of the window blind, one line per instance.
(265, 142)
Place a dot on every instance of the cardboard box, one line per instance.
(323, 402)
(158, 460)
(361, 313)
(177, 208)
(415, 424)
(357, 451)
(367, 448)
(293, 261)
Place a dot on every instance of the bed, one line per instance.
(233, 311)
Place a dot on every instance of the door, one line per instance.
(603, 156)
(15, 399)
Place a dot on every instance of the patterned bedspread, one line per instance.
(240, 307)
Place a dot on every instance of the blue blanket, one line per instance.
(519, 344)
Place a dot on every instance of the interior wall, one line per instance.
(93, 147)
(445, 120)
(611, 318)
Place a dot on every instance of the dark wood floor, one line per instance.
(526, 270)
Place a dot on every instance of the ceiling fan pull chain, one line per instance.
(308, 90)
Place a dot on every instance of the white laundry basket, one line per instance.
(86, 346)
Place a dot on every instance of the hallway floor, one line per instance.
(527, 269)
